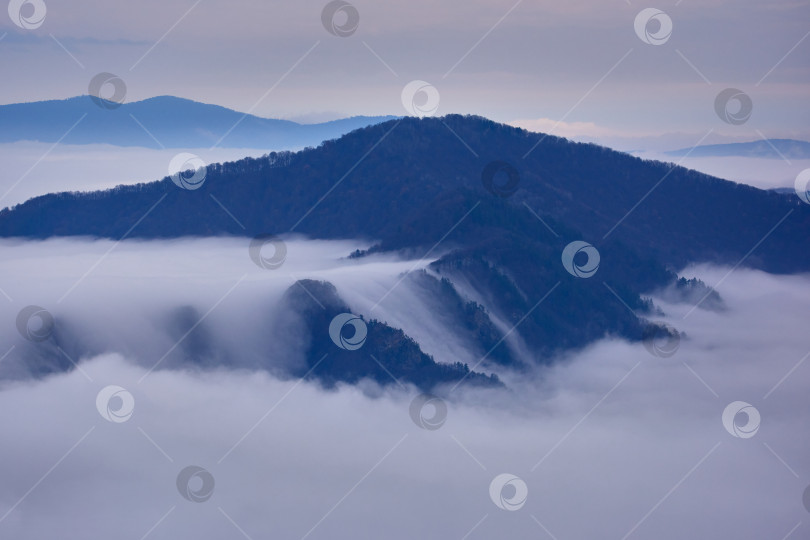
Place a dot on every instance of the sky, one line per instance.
(580, 67)
(609, 441)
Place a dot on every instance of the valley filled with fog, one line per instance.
(611, 440)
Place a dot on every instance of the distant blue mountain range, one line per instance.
(163, 122)
(771, 148)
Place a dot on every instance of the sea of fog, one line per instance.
(762, 173)
(609, 442)
(124, 296)
(31, 169)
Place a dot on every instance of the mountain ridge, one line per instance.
(764, 148)
(162, 122)
(414, 185)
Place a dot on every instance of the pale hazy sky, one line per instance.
(508, 60)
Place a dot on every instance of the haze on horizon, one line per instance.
(579, 63)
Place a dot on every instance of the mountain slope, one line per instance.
(412, 185)
(163, 121)
(417, 179)
(386, 356)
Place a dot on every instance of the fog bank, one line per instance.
(610, 442)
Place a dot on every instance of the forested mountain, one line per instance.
(428, 187)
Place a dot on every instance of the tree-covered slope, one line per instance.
(413, 186)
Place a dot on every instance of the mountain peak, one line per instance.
(496, 207)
